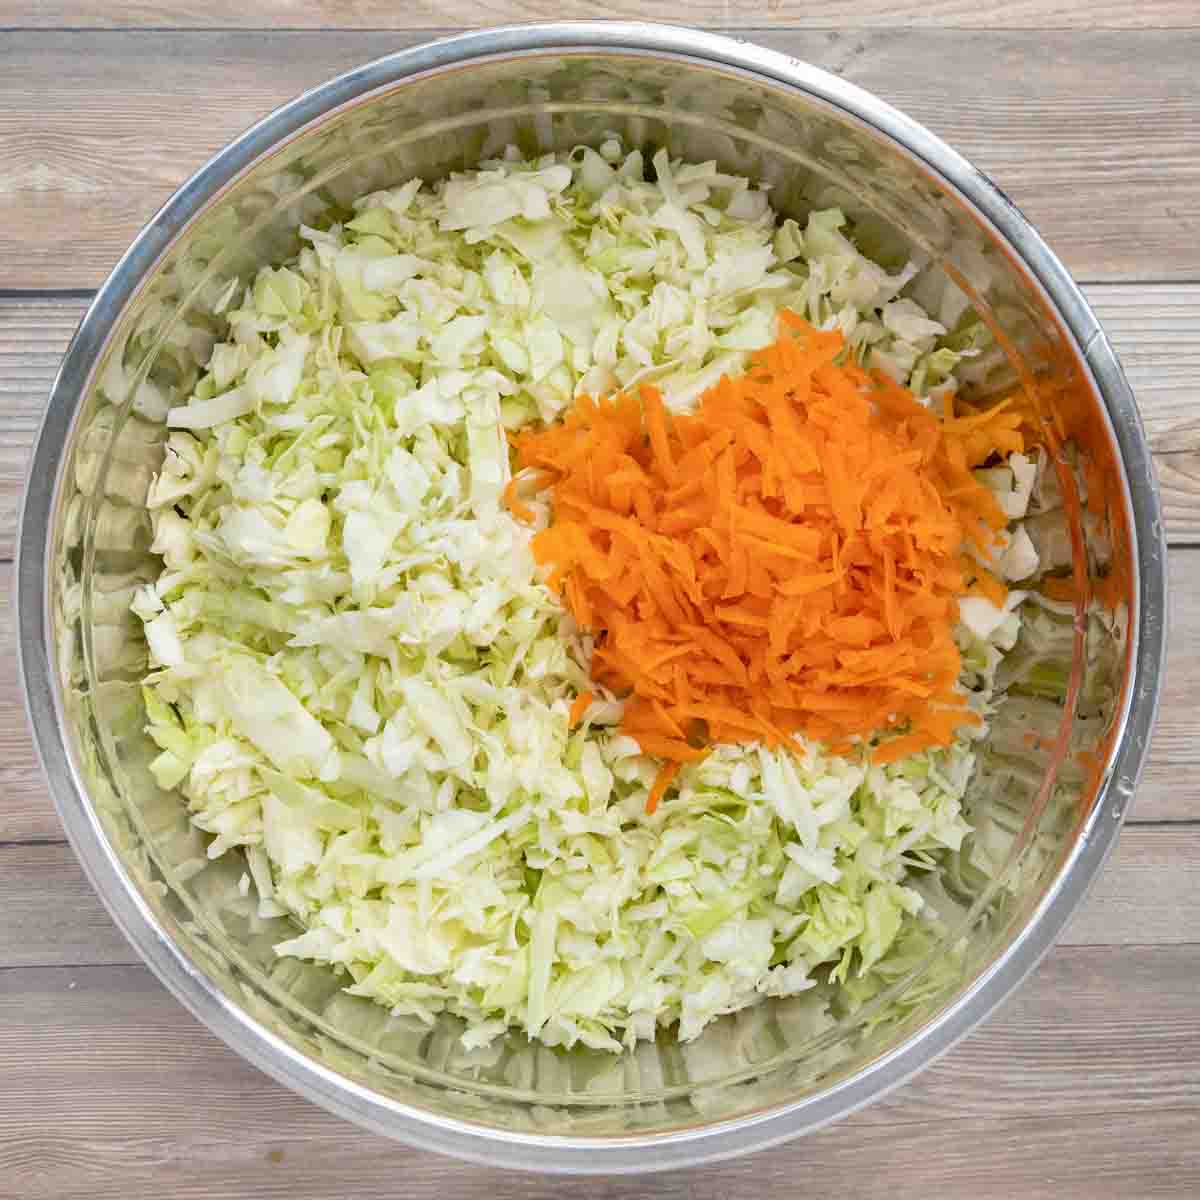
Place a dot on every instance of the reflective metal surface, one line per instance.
(1051, 790)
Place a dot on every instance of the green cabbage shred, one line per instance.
(360, 680)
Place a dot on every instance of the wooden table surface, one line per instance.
(1087, 1083)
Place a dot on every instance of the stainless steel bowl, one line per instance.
(1049, 806)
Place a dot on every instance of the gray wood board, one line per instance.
(1094, 133)
(1075, 1088)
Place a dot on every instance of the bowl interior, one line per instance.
(1034, 795)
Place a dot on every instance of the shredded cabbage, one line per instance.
(360, 679)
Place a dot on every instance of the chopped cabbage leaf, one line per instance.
(360, 678)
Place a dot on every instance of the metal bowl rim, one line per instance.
(478, 1143)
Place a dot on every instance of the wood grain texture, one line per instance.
(1155, 328)
(26, 812)
(34, 334)
(52, 917)
(468, 14)
(1096, 134)
(141, 1100)
(1155, 331)
(1149, 893)
(1169, 790)
(1086, 1086)
(1170, 787)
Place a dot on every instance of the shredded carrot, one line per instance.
(786, 558)
(988, 586)
(1058, 587)
(579, 709)
(662, 781)
(516, 505)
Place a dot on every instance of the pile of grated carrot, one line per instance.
(786, 558)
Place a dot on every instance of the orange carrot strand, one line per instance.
(786, 558)
(662, 781)
(579, 709)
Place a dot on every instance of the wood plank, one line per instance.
(110, 1087)
(1148, 894)
(1149, 325)
(1170, 786)
(26, 811)
(34, 335)
(468, 14)
(1169, 791)
(1155, 335)
(1155, 329)
(52, 917)
(1102, 155)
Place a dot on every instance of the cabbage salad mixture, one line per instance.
(660, 709)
